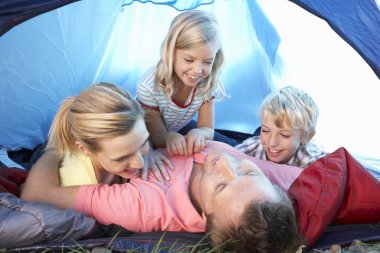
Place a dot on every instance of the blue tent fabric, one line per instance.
(357, 22)
(347, 18)
(14, 12)
(179, 5)
(268, 37)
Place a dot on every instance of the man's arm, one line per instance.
(42, 184)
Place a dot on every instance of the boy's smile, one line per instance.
(280, 143)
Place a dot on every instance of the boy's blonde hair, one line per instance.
(101, 111)
(292, 106)
(190, 29)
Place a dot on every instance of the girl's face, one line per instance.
(280, 144)
(193, 65)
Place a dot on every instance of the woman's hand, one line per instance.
(176, 144)
(158, 164)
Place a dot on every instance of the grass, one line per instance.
(159, 246)
(177, 247)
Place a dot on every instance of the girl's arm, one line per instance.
(156, 128)
(197, 138)
(174, 142)
(42, 184)
(206, 120)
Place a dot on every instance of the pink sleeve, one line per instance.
(104, 203)
(123, 205)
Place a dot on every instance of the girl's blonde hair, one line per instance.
(101, 111)
(292, 106)
(190, 29)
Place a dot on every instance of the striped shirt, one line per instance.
(174, 114)
(304, 156)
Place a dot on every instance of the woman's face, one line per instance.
(229, 183)
(123, 155)
(193, 65)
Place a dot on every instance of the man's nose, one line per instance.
(226, 168)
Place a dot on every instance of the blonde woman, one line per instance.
(99, 136)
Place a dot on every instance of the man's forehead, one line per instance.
(231, 212)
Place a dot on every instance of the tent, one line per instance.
(52, 49)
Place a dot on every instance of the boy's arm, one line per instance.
(42, 184)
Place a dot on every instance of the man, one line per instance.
(219, 186)
(230, 196)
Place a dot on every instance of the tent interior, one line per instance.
(50, 50)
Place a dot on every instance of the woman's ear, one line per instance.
(82, 148)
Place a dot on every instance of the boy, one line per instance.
(288, 120)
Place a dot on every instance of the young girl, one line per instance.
(100, 136)
(184, 82)
(288, 120)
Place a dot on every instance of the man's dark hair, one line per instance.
(266, 226)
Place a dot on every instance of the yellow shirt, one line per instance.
(76, 169)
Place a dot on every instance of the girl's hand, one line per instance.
(176, 144)
(158, 164)
(196, 141)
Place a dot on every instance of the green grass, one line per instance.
(201, 247)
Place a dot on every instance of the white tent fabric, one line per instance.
(57, 54)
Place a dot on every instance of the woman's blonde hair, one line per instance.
(101, 111)
(190, 29)
(292, 106)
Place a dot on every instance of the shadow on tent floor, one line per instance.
(173, 242)
(346, 234)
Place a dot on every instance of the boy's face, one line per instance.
(280, 143)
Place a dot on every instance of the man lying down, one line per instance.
(238, 200)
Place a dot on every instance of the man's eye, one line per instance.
(220, 187)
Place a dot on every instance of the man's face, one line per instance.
(229, 183)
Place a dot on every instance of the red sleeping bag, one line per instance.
(11, 179)
(334, 189)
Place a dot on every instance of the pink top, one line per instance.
(147, 206)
